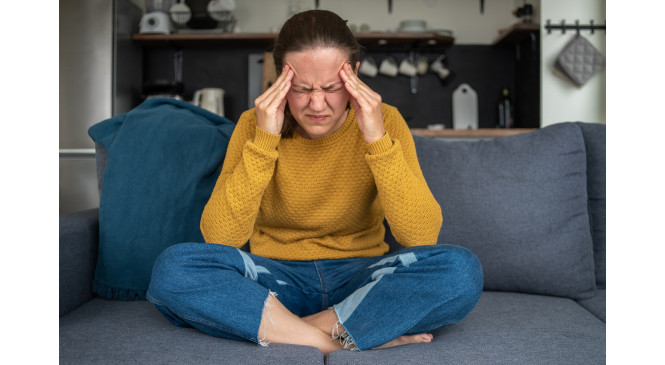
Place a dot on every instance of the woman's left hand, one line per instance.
(367, 104)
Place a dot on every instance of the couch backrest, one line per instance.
(530, 206)
(594, 140)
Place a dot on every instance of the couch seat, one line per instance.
(504, 327)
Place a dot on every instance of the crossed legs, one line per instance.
(446, 280)
(279, 325)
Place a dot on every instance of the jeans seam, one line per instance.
(324, 294)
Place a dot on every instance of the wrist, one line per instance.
(371, 138)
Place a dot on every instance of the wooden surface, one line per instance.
(516, 33)
(266, 39)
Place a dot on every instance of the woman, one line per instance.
(310, 174)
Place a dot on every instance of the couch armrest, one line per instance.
(79, 241)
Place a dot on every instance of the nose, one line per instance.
(317, 100)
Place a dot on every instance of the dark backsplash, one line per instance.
(487, 69)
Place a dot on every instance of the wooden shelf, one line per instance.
(421, 39)
(198, 39)
(516, 33)
(469, 133)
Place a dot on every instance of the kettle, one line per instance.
(211, 99)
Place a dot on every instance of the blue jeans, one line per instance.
(221, 290)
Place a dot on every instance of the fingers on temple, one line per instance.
(277, 91)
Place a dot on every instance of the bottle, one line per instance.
(505, 110)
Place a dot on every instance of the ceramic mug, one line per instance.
(368, 67)
(422, 65)
(211, 99)
(439, 68)
(389, 67)
(407, 68)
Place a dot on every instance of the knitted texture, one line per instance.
(300, 199)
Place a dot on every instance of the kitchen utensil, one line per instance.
(465, 108)
(413, 26)
(211, 99)
(579, 61)
(220, 9)
(180, 13)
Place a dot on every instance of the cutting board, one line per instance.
(465, 107)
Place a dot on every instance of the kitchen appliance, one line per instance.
(465, 108)
(157, 22)
(211, 99)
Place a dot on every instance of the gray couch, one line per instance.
(531, 206)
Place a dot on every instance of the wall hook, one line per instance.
(577, 26)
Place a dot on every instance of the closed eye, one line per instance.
(333, 89)
(301, 90)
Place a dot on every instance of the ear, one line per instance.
(357, 67)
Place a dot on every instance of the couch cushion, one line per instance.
(105, 331)
(503, 328)
(520, 204)
(596, 305)
(594, 141)
(164, 157)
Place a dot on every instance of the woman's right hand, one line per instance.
(270, 105)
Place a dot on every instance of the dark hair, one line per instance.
(311, 29)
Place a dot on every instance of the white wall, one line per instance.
(463, 17)
(561, 100)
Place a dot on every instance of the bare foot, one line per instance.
(326, 320)
(405, 340)
(279, 325)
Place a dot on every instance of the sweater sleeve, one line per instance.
(412, 212)
(228, 217)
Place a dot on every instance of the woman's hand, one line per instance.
(270, 105)
(367, 104)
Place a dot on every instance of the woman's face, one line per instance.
(317, 98)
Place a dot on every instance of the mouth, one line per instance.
(317, 118)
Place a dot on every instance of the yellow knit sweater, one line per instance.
(300, 199)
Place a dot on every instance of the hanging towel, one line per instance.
(579, 61)
(164, 158)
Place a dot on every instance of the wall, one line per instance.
(561, 100)
(461, 16)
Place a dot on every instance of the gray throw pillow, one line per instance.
(520, 204)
